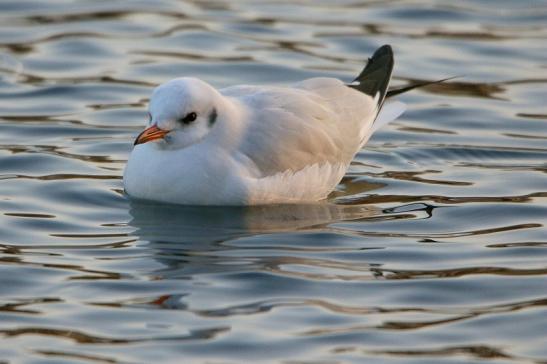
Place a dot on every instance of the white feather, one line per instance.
(267, 145)
(390, 111)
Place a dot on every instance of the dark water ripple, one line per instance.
(431, 250)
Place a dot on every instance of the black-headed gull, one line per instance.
(249, 145)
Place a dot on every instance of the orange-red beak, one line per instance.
(149, 134)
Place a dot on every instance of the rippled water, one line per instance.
(433, 249)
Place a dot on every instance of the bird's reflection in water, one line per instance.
(189, 240)
(212, 225)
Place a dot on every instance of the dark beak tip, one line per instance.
(138, 138)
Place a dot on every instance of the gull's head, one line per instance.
(182, 112)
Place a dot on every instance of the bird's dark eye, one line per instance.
(190, 117)
(149, 118)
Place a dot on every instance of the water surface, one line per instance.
(431, 250)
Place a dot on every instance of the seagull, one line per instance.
(257, 145)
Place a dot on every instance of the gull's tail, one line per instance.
(374, 78)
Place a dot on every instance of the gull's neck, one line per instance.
(232, 116)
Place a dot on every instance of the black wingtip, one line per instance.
(374, 78)
(402, 90)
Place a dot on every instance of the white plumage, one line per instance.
(247, 145)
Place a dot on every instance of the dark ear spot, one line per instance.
(213, 117)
